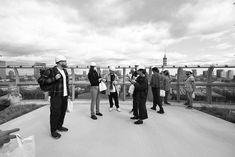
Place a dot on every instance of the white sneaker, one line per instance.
(118, 109)
(111, 109)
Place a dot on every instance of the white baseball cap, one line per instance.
(112, 68)
(93, 64)
(60, 58)
(140, 67)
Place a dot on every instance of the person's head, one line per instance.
(132, 71)
(112, 69)
(166, 72)
(136, 66)
(155, 70)
(141, 70)
(61, 61)
(92, 66)
(189, 73)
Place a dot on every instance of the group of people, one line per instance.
(59, 94)
(158, 82)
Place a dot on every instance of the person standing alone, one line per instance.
(189, 88)
(59, 94)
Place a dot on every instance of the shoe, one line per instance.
(118, 109)
(99, 114)
(138, 122)
(153, 108)
(63, 129)
(186, 104)
(134, 117)
(167, 103)
(189, 107)
(93, 117)
(111, 109)
(161, 111)
(55, 135)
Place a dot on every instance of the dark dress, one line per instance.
(140, 97)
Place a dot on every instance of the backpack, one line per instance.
(44, 79)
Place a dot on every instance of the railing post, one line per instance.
(179, 76)
(208, 86)
(17, 78)
(124, 83)
(73, 85)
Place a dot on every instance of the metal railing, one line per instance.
(208, 84)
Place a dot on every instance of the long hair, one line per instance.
(92, 69)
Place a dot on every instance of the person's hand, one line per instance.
(5, 136)
(133, 81)
(57, 76)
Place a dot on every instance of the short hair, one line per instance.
(155, 69)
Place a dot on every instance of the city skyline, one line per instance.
(118, 32)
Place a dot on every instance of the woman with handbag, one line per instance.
(94, 78)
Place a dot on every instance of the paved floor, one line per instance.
(178, 133)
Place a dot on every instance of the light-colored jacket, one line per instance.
(168, 83)
(107, 79)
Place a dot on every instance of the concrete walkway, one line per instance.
(178, 133)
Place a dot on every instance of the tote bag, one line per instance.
(131, 89)
(19, 147)
(102, 86)
(69, 106)
(162, 93)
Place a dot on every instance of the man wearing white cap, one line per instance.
(59, 95)
(140, 96)
(189, 88)
(112, 88)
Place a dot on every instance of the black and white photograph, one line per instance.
(117, 78)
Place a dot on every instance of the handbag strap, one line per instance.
(19, 140)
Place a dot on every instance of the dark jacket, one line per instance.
(140, 97)
(57, 85)
(155, 80)
(93, 77)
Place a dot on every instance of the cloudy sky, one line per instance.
(118, 32)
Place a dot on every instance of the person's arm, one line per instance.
(5, 136)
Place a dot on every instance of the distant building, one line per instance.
(11, 74)
(3, 70)
(194, 72)
(220, 73)
(181, 74)
(37, 70)
(84, 73)
(204, 73)
(164, 60)
(230, 74)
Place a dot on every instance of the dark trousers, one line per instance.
(115, 97)
(157, 100)
(139, 108)
(58, 109)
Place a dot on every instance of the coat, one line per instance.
(108, 83)
(58, 88)
(140, 97)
